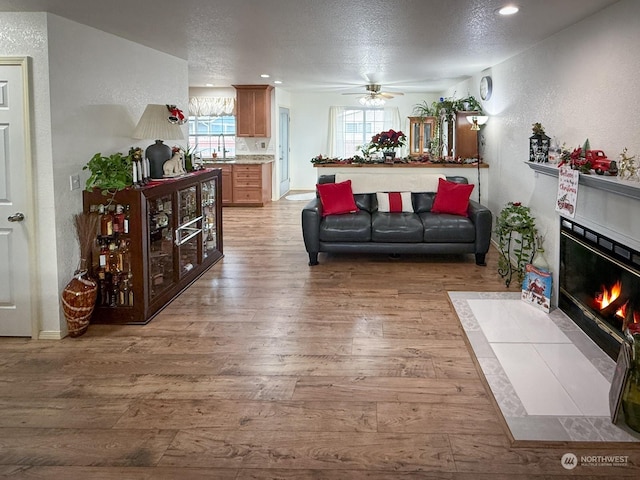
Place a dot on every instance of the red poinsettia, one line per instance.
(388, 140)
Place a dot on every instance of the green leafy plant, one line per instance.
(110, 173)
(448, 107)
(516, 231)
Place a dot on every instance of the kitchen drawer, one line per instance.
(247, 195)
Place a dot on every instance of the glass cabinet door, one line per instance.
(160, 244)
(209, 230)
(189, 231)
(421, 133)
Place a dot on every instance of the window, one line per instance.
(359, 126)
(352, 127)
(213, 134)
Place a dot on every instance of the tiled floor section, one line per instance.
(549, 379)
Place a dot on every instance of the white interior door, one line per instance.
(15, 208)
(284, 151)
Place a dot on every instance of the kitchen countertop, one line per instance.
(240, 159)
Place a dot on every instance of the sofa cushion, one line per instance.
(394, 202)
(353, 227)
(452, 198)
(447, 228)
(422, 202)
(336, 198)
(364, 201)
(396, 227)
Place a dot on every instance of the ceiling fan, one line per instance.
(374, 97)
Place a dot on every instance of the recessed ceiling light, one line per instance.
(208, 84)
(277, 82)
(508, 10)
(265, 75)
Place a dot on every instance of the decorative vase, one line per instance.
(631, 393)
(389, 156)
(539, 261)
(158, 153)
(78, 301)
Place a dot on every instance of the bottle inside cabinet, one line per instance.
(111, 257)
(160, 244)
(209, 218)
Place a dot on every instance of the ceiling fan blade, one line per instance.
(391, 94)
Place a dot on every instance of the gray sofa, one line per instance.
(371, 231)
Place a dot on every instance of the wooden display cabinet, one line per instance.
(172, 235)
(466, 140)
(422, 130)
(253, 110)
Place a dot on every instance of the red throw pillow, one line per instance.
(336, 198)
(452, 198)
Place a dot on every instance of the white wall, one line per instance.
(89, 90)
(580, 83)
(310, 128)
(99, 85)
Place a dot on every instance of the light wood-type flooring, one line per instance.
(267, 368)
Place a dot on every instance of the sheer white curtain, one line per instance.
(212, 106)
(337, 128)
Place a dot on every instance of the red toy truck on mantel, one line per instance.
(593, 160)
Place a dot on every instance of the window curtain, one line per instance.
(212, 106)
(335, 147)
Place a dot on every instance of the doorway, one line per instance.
(283, 156)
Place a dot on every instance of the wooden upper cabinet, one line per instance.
(466, 139)
(253, 110)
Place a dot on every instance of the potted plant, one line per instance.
(516, 230)
(112, 173)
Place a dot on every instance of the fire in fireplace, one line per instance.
(599, 284)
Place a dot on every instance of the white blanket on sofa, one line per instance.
(397, 182)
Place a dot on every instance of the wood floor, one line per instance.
(269, 369)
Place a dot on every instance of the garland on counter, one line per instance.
(357, 159)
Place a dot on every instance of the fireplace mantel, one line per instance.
(609, 184)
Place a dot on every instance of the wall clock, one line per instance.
(486, 87)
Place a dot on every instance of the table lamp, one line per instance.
(158, 122)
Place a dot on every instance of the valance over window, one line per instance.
(212, 106)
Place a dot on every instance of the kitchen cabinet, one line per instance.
(246, 184)
(253, 110)
(162, 238)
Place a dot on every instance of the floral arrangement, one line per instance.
(388, 140)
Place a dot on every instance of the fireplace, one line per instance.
(599, 284)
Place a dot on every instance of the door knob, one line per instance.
(16, 217)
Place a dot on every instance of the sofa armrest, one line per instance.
(482, 219)
(311, 216)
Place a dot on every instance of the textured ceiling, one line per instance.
(327, 45)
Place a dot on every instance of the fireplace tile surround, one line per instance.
(549, 379)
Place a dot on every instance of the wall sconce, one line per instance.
(156, 123)
(477, 121)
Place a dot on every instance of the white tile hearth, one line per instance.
(549, 379)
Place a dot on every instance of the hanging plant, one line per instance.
(516, 231)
